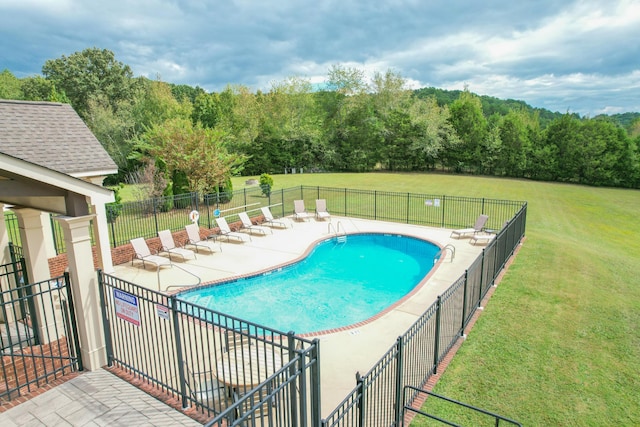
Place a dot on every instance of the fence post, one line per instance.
(315, 384)
(345, 202)
(399, 380)
(113, 233)
(105, 320)
(408, 205)
(178, 341)
(481, 278)
(282, 198)
(443, 204)
(464, 302)
(19, 268)
(206, 200)
(375, 204)
(361, 400)
(436, 344)
(74, 323)
(155, 213)
(293, 391)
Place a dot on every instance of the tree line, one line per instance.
(195, 140)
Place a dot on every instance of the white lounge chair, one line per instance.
(193, 239)
(250, 226)
(477, 227)
(486, 236)
(143, 253)
(299, 211)
(225, 231)
(321, 209)
(169, 246)
(270, 220)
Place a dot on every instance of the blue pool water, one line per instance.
(336, 285)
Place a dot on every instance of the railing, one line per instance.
(443, 252)
(228, 369)
(38, 335)
(146, 218)
(471, 414)
(336, 228)
(173, 337)
(413, 359)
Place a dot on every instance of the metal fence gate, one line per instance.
(38, 333)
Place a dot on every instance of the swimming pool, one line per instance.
(338, 284)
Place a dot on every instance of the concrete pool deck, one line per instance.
(351, 349)
(101, 398)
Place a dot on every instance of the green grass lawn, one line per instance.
(559, 342)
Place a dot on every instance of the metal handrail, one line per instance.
(415, 390)
(336, 229)
(442, 251)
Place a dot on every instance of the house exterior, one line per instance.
(51, 163)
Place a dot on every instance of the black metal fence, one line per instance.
(38, 333)
(377, 399)
(146, 218)
(11, 222)
(229, 369)
(176, 346)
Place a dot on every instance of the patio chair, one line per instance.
(486, 236)
(169, 246)
(250, 226)
(204, 388)
(321, 209)
(193, 239)
(143, 253)
(299, 211)
(225, 231)
(477, 227)
(270, 220)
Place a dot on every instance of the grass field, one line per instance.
(559, 342)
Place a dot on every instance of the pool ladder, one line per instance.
(340, 238)
(443, 252)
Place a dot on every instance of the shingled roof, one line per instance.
(54, 136)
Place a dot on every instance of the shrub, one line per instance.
(114, 209)
(266, 182)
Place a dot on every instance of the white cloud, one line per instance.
(576, 54)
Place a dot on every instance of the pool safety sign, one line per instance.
(162, 311)
(126, 306)
(434, 202)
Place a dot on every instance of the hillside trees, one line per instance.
(471, 126)
(592, 152)
(518, 133)
(10, 86)
(289, 128)
(356, 124)
(90, 73)
(201, 153)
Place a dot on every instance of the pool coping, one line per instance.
(312, 246)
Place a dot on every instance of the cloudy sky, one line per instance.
(571, 55)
